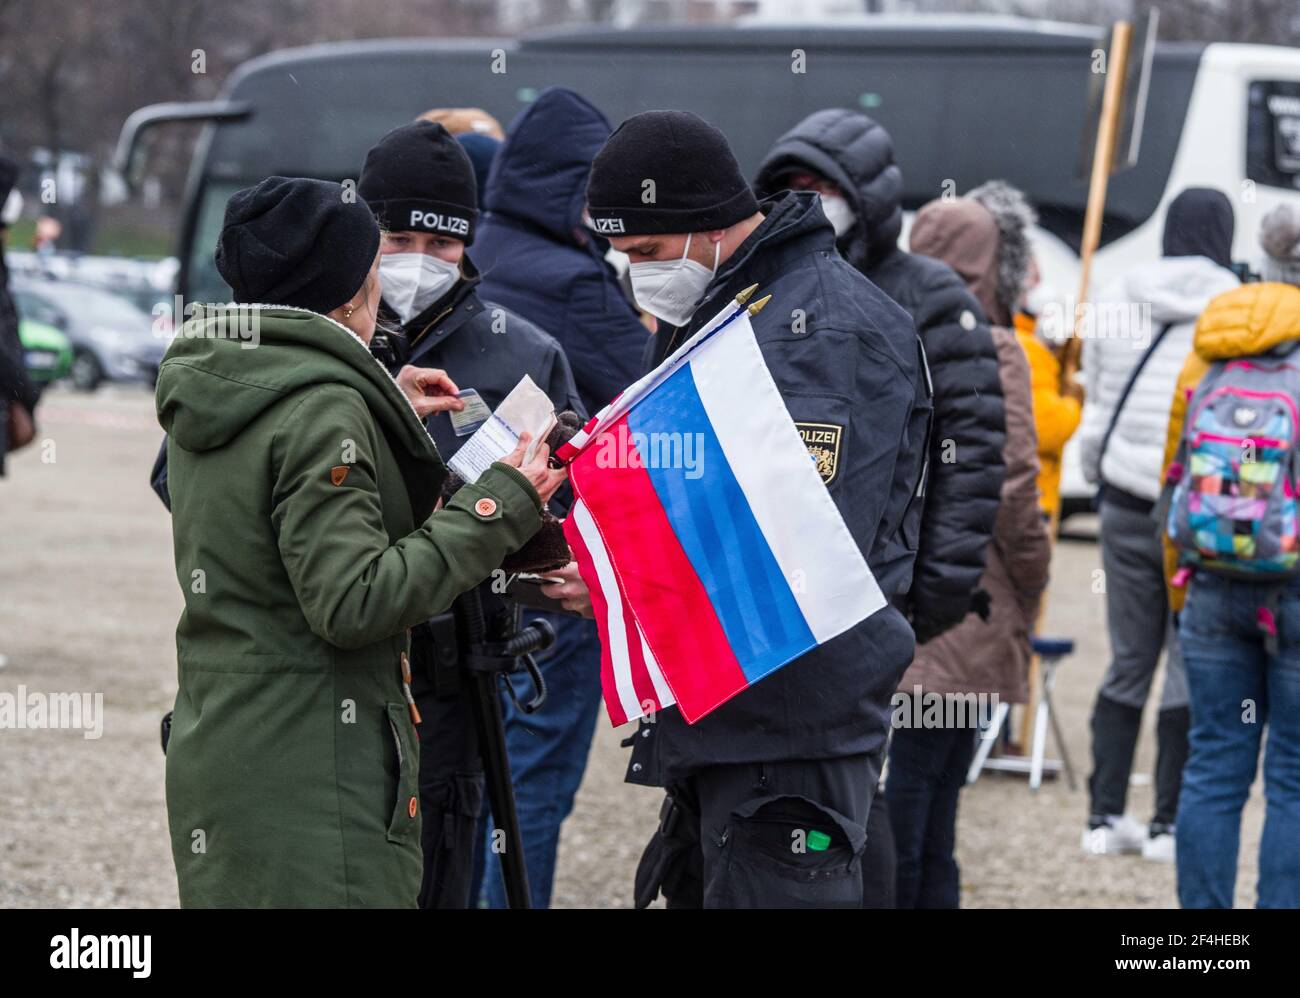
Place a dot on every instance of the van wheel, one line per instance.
(87, 374)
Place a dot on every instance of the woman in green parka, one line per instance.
(307, 537)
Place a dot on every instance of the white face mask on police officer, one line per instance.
(672, 289)
(837, 211)
(413, 281)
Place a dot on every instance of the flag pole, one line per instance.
(1103, 157)
(628, 397)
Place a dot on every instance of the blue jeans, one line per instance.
(548, 752)
(1237, 688)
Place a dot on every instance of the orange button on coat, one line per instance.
(485, 506)
(410, 807)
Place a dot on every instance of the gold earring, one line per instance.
(348, 310)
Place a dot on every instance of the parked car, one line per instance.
(112, 339)
(47, 353)
(148, 282)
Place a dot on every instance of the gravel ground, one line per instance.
(89, 604)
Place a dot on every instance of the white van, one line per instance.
(1242, 136)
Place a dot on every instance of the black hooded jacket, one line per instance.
(537, 257)
(1199, 222)
(966, 437)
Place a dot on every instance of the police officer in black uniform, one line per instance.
(420, 183)
(767, 797)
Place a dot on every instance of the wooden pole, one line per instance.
(1103, 157)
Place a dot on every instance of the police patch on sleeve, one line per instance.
(823, 443)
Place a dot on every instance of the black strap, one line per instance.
(1123, 396)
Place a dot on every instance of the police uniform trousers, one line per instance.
(787, 834)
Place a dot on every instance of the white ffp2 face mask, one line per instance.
(412, 282)
(672, 289)
(838, 213)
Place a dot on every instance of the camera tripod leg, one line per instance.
(500, 789)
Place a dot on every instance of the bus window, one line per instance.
(202, 282)
(1273, 133)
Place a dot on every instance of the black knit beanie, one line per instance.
(418, 178)
(293, 241)
(666, 171)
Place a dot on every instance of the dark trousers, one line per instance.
(451, 768)
(927, 769)
(1137, 619)
(879, 860)
(451, 796)
(762, 835)
(1115, 730)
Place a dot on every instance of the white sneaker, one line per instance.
(1159, 847)
(1120, 835)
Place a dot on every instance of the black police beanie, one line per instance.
(293, 241)
(666, 171)
(418, 178)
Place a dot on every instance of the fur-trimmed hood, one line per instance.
(984, 236)
(1015, 216)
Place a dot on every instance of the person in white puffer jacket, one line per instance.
(1146, 318)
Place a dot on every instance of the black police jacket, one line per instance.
(488, 348)
(480, 345)
(847, 359)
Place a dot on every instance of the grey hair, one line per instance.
(1279, 235)
(1014, 216)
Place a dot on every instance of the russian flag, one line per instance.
(713, 551)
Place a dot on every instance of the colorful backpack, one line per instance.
(1233, 504)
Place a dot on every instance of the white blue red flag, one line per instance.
(713, 551)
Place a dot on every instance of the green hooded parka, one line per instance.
(303, 489)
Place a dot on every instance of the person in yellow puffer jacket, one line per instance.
(1056, 414)
(1240, 636)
